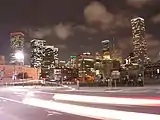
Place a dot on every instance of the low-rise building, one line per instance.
(9, 70)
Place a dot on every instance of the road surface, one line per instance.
(61, 103)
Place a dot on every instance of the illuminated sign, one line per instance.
(73, 57)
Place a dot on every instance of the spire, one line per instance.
(113, 45)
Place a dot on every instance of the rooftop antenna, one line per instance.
(113, 45)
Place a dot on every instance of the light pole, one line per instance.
(19, 56)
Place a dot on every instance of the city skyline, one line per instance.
(82, 31)
(80, 59)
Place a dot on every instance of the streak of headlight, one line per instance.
(107, 100)
(97, 113)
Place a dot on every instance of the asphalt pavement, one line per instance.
(66, 103)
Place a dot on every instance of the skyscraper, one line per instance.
(98, 65)
(139, 42)
(17, 45)
(85, 65)
(106, 61)
(37, 48)
(106, 50)
(50, 60)
(56, 57)
(116, 54)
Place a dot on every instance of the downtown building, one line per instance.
(17, 69)
(44, 57)
(71, 63)
(68, 69)
(98, 66)
(71, 68)
(17, 46)
(116, 54)
(111, 59)
(139, 42)
(65, 71)
(37, 49)
(106, 58)
(106, 50)
(85, 65)
(50, 61)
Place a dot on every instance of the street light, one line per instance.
(19, 56)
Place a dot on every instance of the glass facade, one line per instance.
(37, 48)
(86, 65)
(48, 63)
(17, 44)
(139, 42)
(106, 49)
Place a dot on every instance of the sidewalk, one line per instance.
(93, 89)
(105, 89)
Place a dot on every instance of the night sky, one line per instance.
(77, 26)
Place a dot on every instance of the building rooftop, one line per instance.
(105, 41)
(37, 40)
(49, 46)
(16, 33)
(134, 19)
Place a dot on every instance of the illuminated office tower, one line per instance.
(85, 65)
(106, 61)
(50, 60)
(139, 42)
(37, 48)
(106, 50)
(17, 46)
(116, 54)
(98, 65)
(56, 58)
(71, 63)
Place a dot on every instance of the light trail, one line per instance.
(107, 100)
